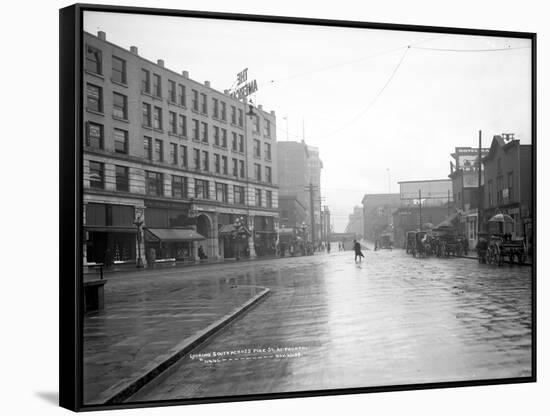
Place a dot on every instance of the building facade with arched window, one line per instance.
(184, 158)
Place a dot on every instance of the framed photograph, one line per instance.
(257, 207)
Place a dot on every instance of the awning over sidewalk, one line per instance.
(110, 229)
(174, 235)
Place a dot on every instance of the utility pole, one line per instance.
(327, 213)
(286, 119)
(479, 190)
(420, 207)
(312, 213)
(320, 222)
(448, 202)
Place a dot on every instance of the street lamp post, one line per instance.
(138, 223)
(239, 225)
(303, 227)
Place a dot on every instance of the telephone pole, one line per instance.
(420, 207)
(311, 204)
(479, 190)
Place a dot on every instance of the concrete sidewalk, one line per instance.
(149, 318)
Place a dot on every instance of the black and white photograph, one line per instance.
(298, 207)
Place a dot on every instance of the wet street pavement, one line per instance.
(147, 313)
(331, 323)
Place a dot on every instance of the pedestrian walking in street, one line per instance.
(357, 248)
(328, 248)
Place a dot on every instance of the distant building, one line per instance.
(422, 202)
(292, 213)
(315, 165)
(355, 223)
(345, 238)
(299, 178)
(508, 184)
(378, 210)
(434, 192)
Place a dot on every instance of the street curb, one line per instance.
(132, 268)
(125, 388)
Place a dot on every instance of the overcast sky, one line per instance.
(376, 109)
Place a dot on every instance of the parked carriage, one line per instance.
(386, 241)
(501, 246)
(416, 243)
(410, 241)
(447, 242)
(450, 245)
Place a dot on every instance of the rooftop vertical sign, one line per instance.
(244, 88)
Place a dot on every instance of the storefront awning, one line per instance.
(287, 231)
(110, 229)
(174, 234)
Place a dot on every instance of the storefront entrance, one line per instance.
(110, 247)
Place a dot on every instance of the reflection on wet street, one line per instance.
(331, 323)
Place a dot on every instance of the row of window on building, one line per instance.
(178, 154)
(151, 84)
(152, 118)
(154, 186)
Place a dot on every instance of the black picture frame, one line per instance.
(71, 202)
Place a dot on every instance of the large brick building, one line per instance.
(186, 159)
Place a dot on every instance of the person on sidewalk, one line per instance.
(108, 259)
(202, 254)
(357, 248)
